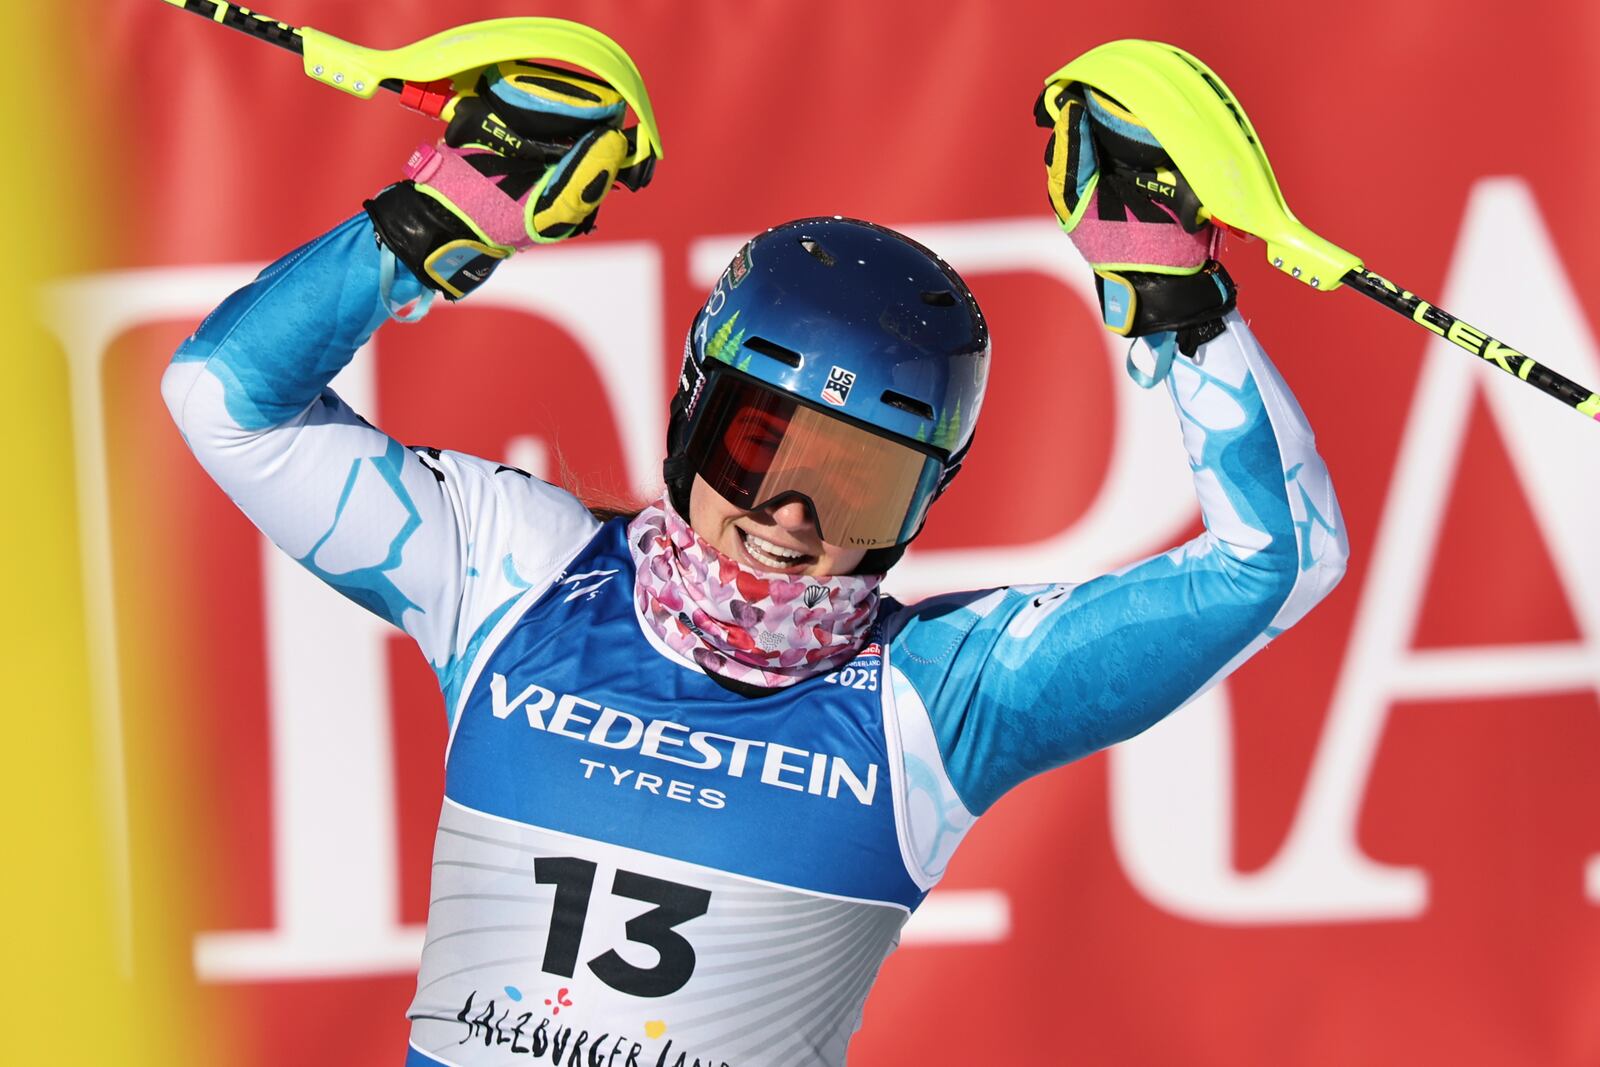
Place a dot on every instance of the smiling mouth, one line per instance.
(768, 556)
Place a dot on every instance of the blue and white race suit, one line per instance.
(710, 878)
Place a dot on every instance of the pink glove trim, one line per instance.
(1142, 242)
(447, 172)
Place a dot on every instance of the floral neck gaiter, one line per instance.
(763, 629)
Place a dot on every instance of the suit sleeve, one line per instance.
(1019, 680)
(436, 543)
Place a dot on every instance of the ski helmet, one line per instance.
(846, 323)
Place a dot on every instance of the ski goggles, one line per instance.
(758, 447)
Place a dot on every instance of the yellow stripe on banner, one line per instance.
(1591, 407)
(220, 13)
(68, 990)
(1526, 368)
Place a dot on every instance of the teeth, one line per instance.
(774, 550)
(769, 554)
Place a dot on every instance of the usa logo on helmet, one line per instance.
(836, 390)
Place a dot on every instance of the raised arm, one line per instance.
(1020, 680)
(434, 542)
(397, 530)
(1016, 681)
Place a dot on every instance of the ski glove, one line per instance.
(529, 155)
(1129, 212)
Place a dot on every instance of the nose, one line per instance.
(793, 515)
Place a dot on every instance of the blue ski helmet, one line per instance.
(850, 318)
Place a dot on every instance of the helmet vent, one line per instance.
(941, 298)
(906, 403)
(814, 247)
(777, 352)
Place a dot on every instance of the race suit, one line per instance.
(634, 865)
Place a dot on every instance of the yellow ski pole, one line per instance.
(429, 73)
(1205, 131)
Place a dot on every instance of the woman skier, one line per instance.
(700, 769)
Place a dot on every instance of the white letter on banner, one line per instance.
(90, 313)
(335, 882)
(1172, 789)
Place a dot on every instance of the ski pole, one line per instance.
(1203, 128)
(429, 73)
(427, 98)
(243, 19)
(1439, 321)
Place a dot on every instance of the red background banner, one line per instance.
(1377, 844)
